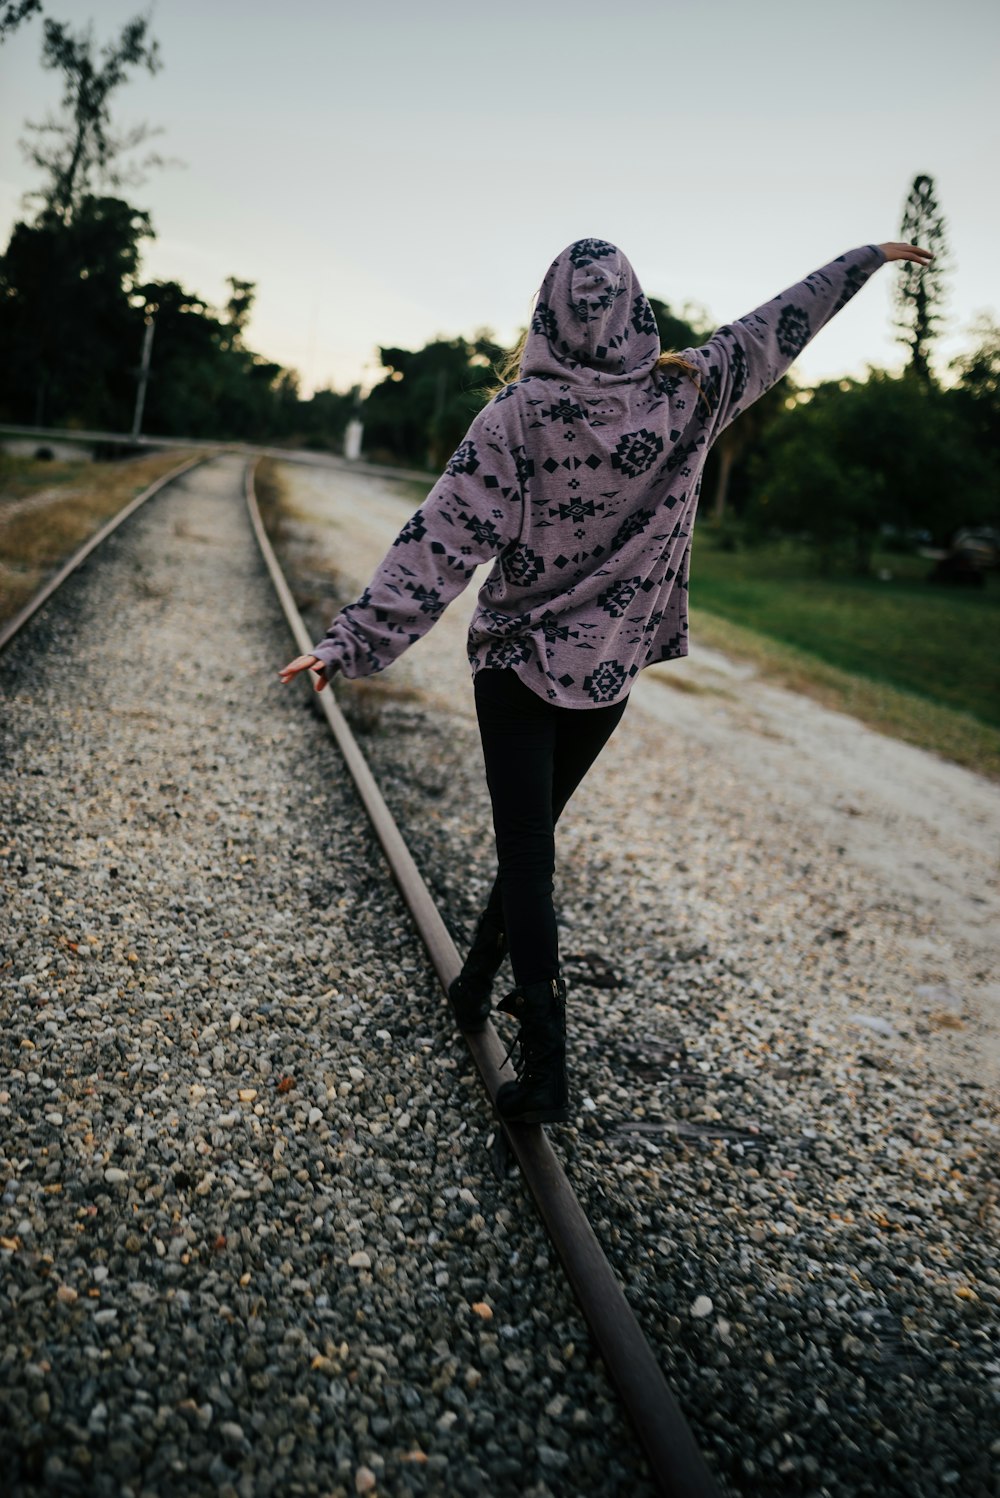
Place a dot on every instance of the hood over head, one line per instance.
(591, 317)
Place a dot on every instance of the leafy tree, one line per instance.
(320, 422)
(978, 386)
(238, 308)
(807, 487)
(67, 276)
(860, 455)
(73, 308)
(13, 12)
(81, 148)
(731, 453)
(184, 389)
(739, 442)
(205, 383)
(422, 408)
(65, 317)
(678, 330)
(919, 291)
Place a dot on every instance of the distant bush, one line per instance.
(859, 456)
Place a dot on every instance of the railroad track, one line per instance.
(861, 1280)
(675, 1462)
(676, 1465)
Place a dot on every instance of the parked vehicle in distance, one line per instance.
(980, 544)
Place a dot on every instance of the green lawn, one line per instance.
(938, 643)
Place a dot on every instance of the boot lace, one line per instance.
(520, 1060)
(529, 1049)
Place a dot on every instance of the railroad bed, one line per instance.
(252, 1241)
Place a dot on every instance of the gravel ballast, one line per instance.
(786, 1126)
(250, 1238)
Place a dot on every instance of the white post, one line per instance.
(352, 439)
(140, 395)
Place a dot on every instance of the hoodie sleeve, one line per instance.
(473, 511)
(744, 359)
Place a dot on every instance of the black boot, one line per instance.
(469, 994)
(541, 1092)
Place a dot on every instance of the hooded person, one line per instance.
(580, 481)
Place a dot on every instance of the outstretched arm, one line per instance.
(470, 515)
(745, 358)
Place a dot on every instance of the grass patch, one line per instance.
(22, 478)
(48, 510)
(943, 730)
(938, 644)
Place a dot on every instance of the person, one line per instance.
(580, 481)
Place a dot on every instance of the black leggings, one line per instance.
(536, 754)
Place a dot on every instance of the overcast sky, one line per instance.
(387, 170)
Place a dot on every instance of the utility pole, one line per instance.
(140, 395)
(440, 386)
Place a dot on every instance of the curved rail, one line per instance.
(676, 1464)
(14, 625)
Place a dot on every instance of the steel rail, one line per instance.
(311, 457)
(676, 1464)
(14, 625)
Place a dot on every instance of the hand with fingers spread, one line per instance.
(913, 252)
(305, 663)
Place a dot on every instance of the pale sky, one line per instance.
(387, 171)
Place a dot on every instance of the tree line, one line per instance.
(74, 306)
(839, 467)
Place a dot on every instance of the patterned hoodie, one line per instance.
(581, 481)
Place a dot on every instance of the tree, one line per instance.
(238, 308)
(741, 439)
(678, 330)
(806, 487)
(322, 420)
(978, 385)
(13, 12)
(919, 291)
(184, 392)
(860, 455)
(82, 148)
(66, 323)
(67, 277)
(422, 409)
(72, 311)
(731, 453)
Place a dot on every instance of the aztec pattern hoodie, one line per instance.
(581, 481)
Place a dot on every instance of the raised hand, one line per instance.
(304, 663)
(907, 252)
